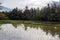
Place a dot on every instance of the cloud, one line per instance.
(23, 3)
(56, 0)
(1, 1)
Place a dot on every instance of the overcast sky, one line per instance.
(23, 3)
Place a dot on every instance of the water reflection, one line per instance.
(28, 32)
(53, 30)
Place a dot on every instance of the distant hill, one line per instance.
(2, 8)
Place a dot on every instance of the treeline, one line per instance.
(48, 13)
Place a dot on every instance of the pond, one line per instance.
(26, 32)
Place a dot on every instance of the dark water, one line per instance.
(23, 32)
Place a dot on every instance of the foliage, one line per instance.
(3, 16)
(48, 13)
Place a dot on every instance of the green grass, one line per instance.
(12, 21)
(28, 23)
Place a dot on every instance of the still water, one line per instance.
(23, 32)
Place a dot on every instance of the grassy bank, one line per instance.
(29, 22)
(16, 21)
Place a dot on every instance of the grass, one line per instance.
(29, 23)
(12, 21)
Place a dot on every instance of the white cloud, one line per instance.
(56, 0)
(23, 3)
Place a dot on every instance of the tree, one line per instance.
(15, 14)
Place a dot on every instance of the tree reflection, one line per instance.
(25, 28)
(0, 26)
(14, 25)
(51, 29)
